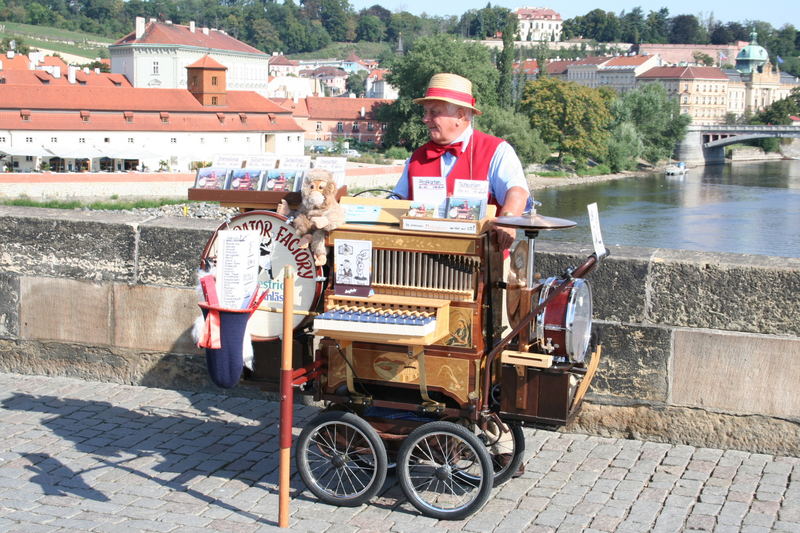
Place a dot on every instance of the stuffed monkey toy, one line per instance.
(319, 213)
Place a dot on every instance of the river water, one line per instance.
(749, 208)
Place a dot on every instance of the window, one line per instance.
(355, 127)
(155, 68)
(53, 139)
(128, 116)
(213, 81)
(130, 140)
(25, 114)
(28, 139)
(164, 117)
(370, 126)
(319, 126)
(213, 100)
(82, 140)
(28, 158)
(2, 139)
(106, 139)
(85, 116)
(173, 140)
(340, 127)
(225, 140)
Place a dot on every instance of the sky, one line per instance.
(776, 12)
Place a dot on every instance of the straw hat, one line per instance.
(450, 88)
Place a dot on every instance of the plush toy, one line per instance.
(318, 214)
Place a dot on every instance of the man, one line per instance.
(457, 151)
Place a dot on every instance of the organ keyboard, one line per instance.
(380, 318)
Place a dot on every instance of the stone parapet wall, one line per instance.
(698, 348)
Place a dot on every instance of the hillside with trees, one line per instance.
(311, 25)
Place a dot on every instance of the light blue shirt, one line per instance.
(505, 170)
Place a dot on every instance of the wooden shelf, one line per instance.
(255, 199)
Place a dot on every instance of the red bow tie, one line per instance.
(435, 151)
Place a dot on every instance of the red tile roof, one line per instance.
(175, 34)
(536, 13)
(378, 74)
(18, 62)
(208, 62)
(40, 77)
(558, 67)
(282, 60)
(702, 73)
(529, 66)
(53, 61)
(591, 60)
(627, 61)
(298, 109)
(320, 107)
(72, 97)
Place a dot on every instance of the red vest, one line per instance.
(473, 164)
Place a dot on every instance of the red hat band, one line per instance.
(434, 92)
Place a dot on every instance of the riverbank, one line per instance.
(540, 182)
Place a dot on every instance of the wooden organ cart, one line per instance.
(439, 367)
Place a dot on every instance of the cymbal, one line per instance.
(535, 222)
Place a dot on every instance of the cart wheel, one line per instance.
(505, 449)
(445, 471)
(341, 458)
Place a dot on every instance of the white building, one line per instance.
(74, 127)
(538, 24)
(378, 87)
(620, 72)
(156, 55)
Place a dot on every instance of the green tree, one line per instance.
(685, 29)
(571, 118)
(505, 62)
(632, 26)
(411, 73)
(657, 26)
(516, 129)
(702, 58)
(356, 83)
(656, 117)
(370, 28)
(624, 147)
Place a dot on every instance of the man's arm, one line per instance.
(516, 201)
(507, 179)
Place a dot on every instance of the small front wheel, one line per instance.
(444, 470)
(341, 458)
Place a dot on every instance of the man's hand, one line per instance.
(505, 236)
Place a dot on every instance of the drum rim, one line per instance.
(569, 319)
(317, 269)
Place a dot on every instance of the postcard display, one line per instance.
(460, 212)
(268, 172)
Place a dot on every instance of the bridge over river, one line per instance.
(705, 144)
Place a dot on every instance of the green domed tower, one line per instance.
(752, 57)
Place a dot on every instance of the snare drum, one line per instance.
(564, 326)
(279, 247)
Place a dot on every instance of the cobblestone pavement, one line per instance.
(86, 456)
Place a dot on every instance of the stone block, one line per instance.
(92, 245)
(154, 318)
(748, 293)
(695, 427)
(64, 310)
(617, 283)
(170, 249)
(735, 372)
(9, 305)
(634, 361)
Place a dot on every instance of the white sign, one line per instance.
(440, 226)
(353, 260)
(597, 237)
(278, 248)
(431, 191)
(335, 165)
(471, 189)
(295, 162)
(237, 267)
(265, 161)
(230, 161)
